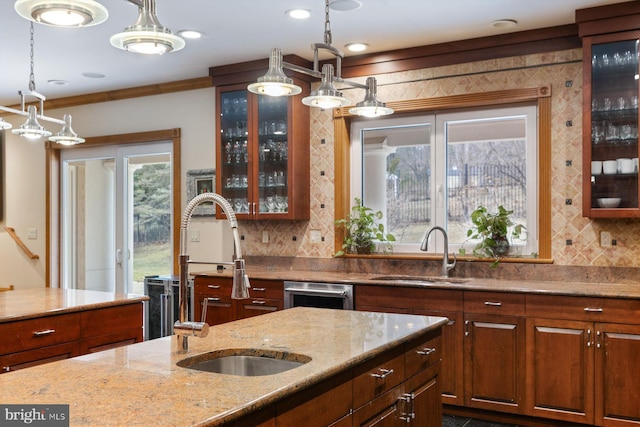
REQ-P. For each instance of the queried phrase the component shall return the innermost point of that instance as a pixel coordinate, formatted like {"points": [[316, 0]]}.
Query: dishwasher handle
{"points": [[303, 291]]}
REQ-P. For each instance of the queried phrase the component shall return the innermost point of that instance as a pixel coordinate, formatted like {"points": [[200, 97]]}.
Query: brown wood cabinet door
{"points": [[560, 369], [426, 405], [617, 381], [494, 367], [219, 310], [451, 377]]}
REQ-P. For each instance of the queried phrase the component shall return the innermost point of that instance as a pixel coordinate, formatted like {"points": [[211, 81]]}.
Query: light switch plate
{"points": [[32, 233], [265, 236]]}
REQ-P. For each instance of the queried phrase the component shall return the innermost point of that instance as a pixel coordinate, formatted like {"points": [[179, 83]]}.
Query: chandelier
{"points": [[276, 83], [32, 129]]}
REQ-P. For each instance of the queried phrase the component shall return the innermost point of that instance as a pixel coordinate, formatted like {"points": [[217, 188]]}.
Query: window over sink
{"points": [[446, 148], [436, 168]]}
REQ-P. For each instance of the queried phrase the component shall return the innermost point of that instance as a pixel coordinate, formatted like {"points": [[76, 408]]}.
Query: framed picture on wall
{"points": [[201, 181]]}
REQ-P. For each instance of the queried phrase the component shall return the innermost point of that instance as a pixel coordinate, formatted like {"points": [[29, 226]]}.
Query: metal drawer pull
{"points": [[258, 289], [588, 337], [212, 299], [426, 351], [44, 333], [593, 310], [258, 302], [384, 373], [493, 304], [213, 286], [7, 369]]}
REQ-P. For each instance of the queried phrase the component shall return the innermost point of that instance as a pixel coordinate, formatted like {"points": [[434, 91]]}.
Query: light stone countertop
{"points": [[140, 384], [579, 289], [40, 302]]}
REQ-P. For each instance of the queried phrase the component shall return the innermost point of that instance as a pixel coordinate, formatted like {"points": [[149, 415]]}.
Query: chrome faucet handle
{"points": [[450, 266], [191, 329]]}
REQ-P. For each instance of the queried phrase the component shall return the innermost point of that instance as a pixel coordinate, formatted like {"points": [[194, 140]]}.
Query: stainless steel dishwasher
{"points": [[321, 295]]}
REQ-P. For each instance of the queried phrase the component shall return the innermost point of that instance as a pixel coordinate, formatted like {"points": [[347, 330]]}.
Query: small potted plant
{"points": [[362, 230], [492, 230]]}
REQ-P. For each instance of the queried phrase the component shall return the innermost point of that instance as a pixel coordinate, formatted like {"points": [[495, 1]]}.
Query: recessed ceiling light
{"points": [[190, 34], [58, 82], [357, 47], [298, 13], [345, 5], [504, 23], [92, 75]]}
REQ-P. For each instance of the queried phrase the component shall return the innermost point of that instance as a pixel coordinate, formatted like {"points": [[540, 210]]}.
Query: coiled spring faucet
{"points": [[240, 290]]}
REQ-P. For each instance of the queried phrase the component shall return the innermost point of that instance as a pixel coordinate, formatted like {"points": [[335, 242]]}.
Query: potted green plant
{"points": [[492, 230], [362, 230]]}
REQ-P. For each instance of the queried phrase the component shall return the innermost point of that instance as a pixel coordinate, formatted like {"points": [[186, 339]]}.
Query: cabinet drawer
{"points": [[40, 332], [39, 356], [408, 298], [495, 303], [422, 353], [214, 286], [584, 308], [110, 320], [257, 306], [376, 377], [106, 342], [270, 289]]}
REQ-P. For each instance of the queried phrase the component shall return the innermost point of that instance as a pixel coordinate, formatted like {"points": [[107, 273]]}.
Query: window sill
{"points": [[459, 258]]}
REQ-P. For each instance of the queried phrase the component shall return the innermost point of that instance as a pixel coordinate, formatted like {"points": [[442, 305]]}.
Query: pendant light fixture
{"points": [[147, 35], [32, 129], [276, 83], [370, 106], [63, 13]]}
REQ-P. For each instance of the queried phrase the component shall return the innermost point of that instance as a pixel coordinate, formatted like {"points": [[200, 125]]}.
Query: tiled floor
{"points": [[456, 421]]}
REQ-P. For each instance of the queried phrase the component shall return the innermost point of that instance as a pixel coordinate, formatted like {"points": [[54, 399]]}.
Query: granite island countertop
{"points": [[40, 302], [540, 287], [140, 384]]}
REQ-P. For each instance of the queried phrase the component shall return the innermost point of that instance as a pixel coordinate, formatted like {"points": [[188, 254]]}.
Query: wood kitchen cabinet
{"points": [[266, 296], [215, 293], [610, 111], [262, 154], [582, 359], [46, 339], [400, 389], [434, 302], [483, 345], [494, 351]]}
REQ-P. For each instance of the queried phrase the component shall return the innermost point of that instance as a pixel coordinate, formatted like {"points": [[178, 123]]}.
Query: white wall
{"points": [[24, 173]]}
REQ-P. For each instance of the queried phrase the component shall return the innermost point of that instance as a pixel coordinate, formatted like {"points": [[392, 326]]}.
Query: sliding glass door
{"points": [[116, 208]]}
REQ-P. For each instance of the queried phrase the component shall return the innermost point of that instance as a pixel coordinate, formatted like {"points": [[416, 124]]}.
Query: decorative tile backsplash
{"points": [[557, 69]]}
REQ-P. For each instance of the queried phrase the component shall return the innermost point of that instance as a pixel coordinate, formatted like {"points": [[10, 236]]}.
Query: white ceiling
{"points": [[243, 30]]}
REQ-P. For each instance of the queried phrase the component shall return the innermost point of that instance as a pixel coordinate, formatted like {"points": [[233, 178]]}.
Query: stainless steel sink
{"points": [[245, 362], [422, 279]]}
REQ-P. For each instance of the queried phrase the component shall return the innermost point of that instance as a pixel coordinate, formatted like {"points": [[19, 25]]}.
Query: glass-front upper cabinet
{"points": [[611, 129], [262, 156]]}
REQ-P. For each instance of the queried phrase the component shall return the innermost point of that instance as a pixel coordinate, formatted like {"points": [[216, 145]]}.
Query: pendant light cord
{"points": [[32, 79]]}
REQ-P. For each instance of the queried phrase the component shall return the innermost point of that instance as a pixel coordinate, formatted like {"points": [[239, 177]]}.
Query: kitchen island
{"points": [[141, 384], [44, 325]]}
